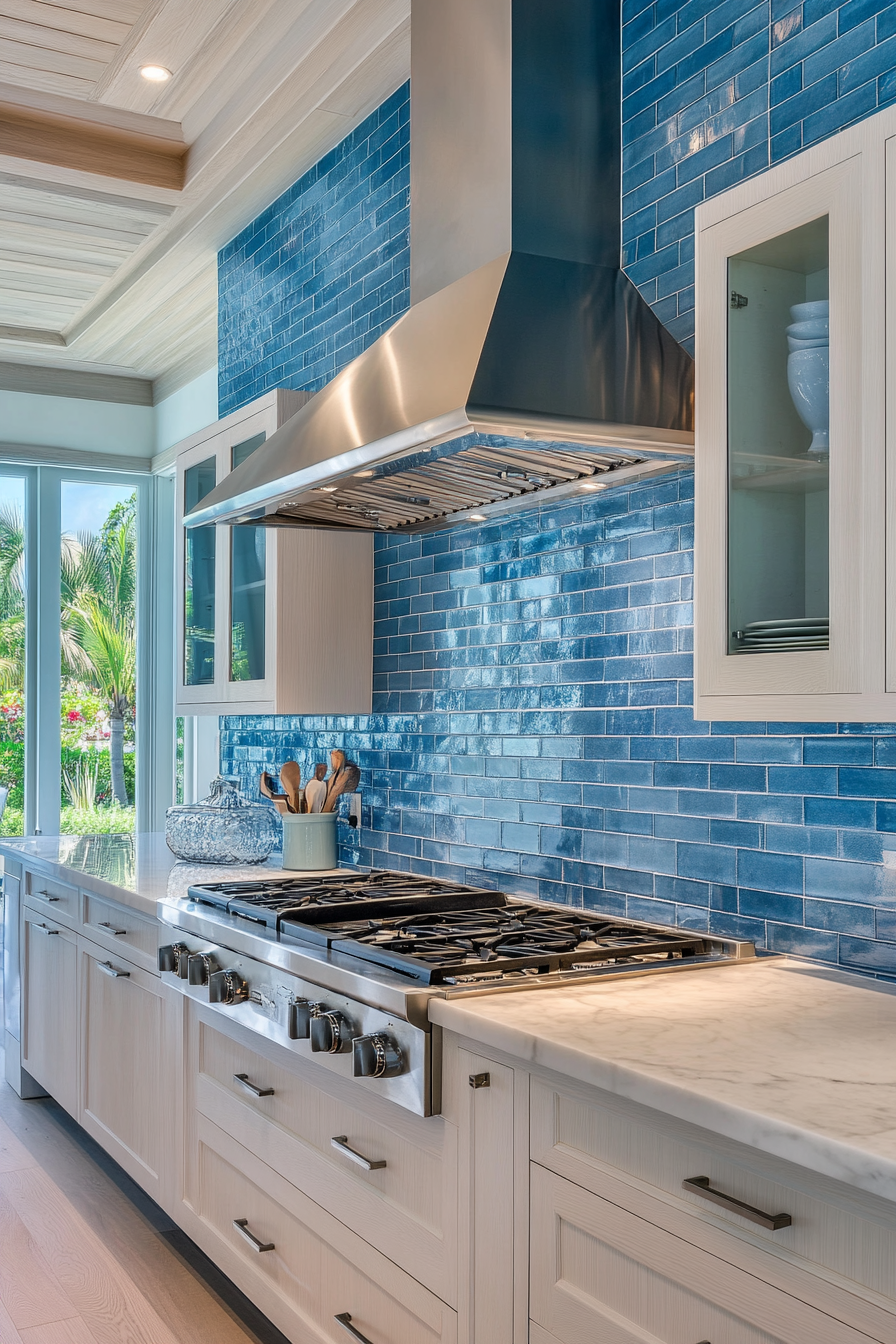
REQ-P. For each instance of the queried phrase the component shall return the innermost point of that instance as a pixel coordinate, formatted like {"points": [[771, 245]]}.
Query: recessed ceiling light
{"points": [[478, 518], [365, 473], [593, 485], [326, 489], [156, 74]]}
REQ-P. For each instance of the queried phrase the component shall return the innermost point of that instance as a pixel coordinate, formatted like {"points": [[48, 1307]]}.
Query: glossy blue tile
{"points": [[841, 917], [772, 872]]}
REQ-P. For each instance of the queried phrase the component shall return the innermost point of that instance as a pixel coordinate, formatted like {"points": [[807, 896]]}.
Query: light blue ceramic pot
{"points": [[309, 841]]}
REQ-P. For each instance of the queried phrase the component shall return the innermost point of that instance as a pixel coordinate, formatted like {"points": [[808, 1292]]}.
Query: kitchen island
{"points": [[670, 1156]]}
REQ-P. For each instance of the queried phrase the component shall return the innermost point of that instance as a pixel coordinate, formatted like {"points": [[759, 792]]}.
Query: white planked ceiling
{"points": [[123, 273]]}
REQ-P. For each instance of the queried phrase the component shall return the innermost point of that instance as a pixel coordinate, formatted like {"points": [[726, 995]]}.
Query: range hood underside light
{"points": [[418, 497]]}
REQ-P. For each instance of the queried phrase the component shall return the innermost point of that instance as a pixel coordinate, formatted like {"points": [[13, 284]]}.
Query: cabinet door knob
{"points": [[772, 1222]]}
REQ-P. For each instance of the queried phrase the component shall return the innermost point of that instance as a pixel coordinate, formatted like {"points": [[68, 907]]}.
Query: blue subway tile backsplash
{"points": [[324, 271], [716, 90], [533, 726]]}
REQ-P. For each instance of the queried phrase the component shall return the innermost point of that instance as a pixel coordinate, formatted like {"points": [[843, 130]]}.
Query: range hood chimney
{"points": [[528, 363]]}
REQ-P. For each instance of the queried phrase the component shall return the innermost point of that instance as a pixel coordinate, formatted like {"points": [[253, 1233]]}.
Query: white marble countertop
{"points": [[135, 870], [791, 1060]]}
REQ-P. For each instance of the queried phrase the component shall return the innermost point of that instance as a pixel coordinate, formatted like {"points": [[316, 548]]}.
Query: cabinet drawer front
{"points": [[404, 1206], [301, 1253], [579, 1138], [600, 1272], [122, 930], [57, 899]]}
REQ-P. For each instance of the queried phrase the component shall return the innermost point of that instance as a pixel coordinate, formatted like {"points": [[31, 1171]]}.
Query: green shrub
{"points": [[12, 773], [13, 821], [96, 820]]}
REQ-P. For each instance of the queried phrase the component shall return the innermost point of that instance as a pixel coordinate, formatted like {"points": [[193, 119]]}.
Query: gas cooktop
{"points": [[446, 934]]}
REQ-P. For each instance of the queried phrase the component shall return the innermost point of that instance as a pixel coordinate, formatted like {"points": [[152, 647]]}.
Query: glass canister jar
{"points": [[223, 828]]}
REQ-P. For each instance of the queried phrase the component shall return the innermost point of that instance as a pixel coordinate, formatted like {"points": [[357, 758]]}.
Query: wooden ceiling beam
{"points": [[74, 141]]}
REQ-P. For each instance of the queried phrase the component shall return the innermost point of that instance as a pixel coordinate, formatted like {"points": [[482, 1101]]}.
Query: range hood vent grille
{"points": [[413, 495]]}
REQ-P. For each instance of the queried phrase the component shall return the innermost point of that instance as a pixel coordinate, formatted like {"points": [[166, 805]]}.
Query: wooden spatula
{"points": [[316, 789], [346, 781], [291, 779]]}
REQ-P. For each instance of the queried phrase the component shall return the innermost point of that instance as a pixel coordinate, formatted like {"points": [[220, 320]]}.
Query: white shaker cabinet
{"points": [[791, 518], [269, 620]]}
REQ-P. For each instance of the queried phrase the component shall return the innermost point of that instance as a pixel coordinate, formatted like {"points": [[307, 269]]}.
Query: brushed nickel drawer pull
{"points": [[243, 1080], [345, 1320], [104, 924], [242, 1226], [47, 897], [43, 929], [700, 1185], [340, 1143], [108, 969]]}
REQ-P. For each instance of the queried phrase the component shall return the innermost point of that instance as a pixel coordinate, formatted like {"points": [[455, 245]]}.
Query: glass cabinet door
{"points": [[199, 581], [779, 443], [247, 588]]}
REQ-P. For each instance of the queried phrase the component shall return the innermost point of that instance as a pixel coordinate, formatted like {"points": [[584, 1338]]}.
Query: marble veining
{"points": [[796, 1062]]}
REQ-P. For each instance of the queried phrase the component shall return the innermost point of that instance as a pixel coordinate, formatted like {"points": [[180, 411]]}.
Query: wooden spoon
{"points": [[282, 804], [291, 780], [316, 789], [345, 782]]}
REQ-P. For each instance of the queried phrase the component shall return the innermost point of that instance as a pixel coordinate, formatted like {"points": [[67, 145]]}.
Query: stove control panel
{"points": [[383, 1052]]}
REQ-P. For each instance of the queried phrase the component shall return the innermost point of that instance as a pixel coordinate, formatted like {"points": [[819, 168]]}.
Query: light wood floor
{"points": [[87, 1258]]}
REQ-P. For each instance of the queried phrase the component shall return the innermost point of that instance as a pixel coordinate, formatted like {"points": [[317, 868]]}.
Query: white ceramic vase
{"points": [[808, 377]]}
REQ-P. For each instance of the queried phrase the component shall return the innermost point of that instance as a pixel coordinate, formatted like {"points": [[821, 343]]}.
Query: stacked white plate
{"points": [[804, 632]]}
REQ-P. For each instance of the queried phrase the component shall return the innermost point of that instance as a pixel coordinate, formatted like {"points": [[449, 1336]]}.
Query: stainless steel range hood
{"points": [[528, 363]]}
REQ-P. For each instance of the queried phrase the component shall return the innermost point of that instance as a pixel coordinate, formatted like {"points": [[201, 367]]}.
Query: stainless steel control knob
{"points": [[227, 987], [200, 968], [298, 1019], [376, 1056], [330, 1033], [173, 957]]}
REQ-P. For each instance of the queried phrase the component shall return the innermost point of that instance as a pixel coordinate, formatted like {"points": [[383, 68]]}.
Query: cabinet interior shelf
{"points": [[756, 471]]}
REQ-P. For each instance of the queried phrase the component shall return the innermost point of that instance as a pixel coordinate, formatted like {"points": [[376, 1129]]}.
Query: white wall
{"points": [[69, 422], [189, 408]]}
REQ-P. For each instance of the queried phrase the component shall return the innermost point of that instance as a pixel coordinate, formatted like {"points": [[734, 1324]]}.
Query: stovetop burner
{"points": [[463, 946]]}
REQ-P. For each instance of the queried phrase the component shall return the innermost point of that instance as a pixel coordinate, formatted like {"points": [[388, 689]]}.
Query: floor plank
{"points": [[8, 1333], [29, 1291], [73, 1331], [13, 1154]]}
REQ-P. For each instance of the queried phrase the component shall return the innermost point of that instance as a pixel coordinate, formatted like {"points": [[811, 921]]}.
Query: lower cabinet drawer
{"points": [[390, 1177], [122, 930], [59, 900], [599, 1272], [296, 1253], [580, 1137]]}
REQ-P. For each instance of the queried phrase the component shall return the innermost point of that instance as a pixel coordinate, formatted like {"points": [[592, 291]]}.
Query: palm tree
{"points": [[99, 578], [12, 598]]}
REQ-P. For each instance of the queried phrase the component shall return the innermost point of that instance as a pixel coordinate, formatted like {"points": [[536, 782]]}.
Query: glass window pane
{"points": [[778, 443], [12, 652], [98, 573], [199, 582], [247, 588]]}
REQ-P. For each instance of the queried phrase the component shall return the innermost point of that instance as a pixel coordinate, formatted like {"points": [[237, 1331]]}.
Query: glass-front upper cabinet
{"points": [[270, 620], [786, 413]]}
